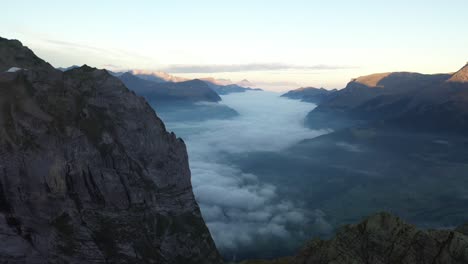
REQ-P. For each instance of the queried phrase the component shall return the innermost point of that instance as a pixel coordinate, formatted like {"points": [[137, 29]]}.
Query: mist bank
{"points": [[193, 111], [266, 183], [247, 216], [356, 172]]}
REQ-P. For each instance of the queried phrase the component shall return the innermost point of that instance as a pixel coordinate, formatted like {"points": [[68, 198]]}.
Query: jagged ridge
{"points": [[383, 239]]}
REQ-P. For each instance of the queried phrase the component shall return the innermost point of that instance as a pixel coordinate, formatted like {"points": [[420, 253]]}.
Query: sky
{"points": [[277, 45]]}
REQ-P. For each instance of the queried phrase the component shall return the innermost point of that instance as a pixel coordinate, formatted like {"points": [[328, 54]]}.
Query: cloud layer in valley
{"points": [[241, 210]]}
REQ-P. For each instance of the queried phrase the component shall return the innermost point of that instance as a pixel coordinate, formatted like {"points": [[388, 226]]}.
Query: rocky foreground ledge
{"points": [[88, 172], [383, 239]]}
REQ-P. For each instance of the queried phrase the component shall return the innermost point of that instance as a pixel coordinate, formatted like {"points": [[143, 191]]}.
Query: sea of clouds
{"points": [[240, 210]]}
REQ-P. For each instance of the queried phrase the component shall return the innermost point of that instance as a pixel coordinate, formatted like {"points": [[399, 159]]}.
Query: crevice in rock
{"points": [[122, 181], [5, 206], [127, 193], [92, 188], [443, 245], [97, 192], [71, 189]]}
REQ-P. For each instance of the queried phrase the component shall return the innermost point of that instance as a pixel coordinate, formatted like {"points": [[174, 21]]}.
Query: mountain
{"points": [[223, 87], [245, 83], [14, 55], [460, 76], [191, 100], [68, 68], [310, 94], [224, 82], [383, 238], [213, 81], [232, 88], [368, 87], [157, 76], [166, 92], [89, 173], [220, 86], [415, 101]]}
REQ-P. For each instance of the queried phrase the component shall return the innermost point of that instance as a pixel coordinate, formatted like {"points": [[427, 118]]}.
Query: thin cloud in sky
{"points": [[74, 45], [217, 68], [109, 51], [203, 68], [113, 67]]}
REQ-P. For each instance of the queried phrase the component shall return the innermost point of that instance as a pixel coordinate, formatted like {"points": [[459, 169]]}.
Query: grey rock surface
{"points": [[88, 172]]}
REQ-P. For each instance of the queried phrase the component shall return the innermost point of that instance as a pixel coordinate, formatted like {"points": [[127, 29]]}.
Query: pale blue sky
{"points": [[292, 43]]}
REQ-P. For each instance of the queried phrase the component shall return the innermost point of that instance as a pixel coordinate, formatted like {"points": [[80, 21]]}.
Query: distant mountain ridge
{"points": [[68, 68], [158, 76], [431, 102], [192, 100], [160, 92], [310, 94], [229, 88], [220, 86], [368, 87]]}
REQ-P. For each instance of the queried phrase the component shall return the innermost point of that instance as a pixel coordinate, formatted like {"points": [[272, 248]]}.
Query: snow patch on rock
{"points": [[14, 69]]}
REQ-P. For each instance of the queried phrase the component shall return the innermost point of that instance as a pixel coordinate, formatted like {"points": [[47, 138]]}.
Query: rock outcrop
{"points": [[88, 172], [383, 239]]}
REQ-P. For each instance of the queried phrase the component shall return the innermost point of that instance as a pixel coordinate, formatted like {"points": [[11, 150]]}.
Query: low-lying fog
{"points": [[264, 188], [246, 216]]}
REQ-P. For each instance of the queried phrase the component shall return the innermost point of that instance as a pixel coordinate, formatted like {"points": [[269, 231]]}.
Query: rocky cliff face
{"points": [[382, 239], [88, 172]]}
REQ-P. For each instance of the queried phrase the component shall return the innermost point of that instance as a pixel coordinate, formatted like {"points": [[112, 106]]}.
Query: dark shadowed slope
{"points": [[383, 239], [88, 172], [166, 92]]}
